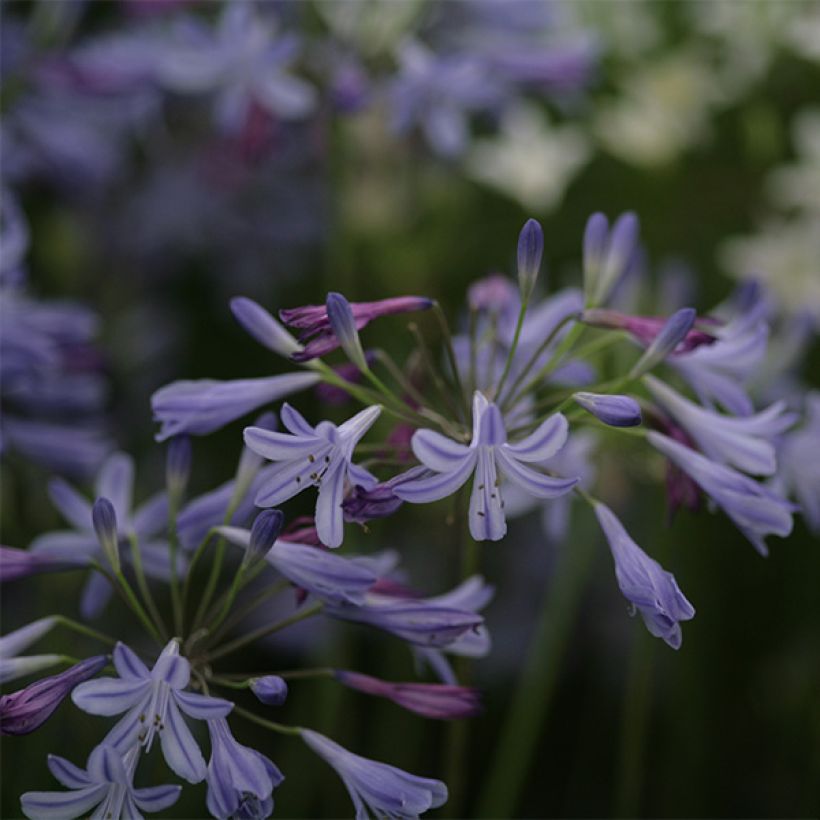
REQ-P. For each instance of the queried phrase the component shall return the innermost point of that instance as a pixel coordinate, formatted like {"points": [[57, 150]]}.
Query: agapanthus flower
{"points": [[154, 701], [240, 780], [607, 254], [743, 442], [431, 700], [313, 456], [756, 511], [263, 327], [645, 583], [272, 690], [24, 711], [106, 782], [378, 788], [14, 665], [379, 500], [488, 454], [16, 563], [315, 330], [202, 406], [614, 410], [114, 482]]}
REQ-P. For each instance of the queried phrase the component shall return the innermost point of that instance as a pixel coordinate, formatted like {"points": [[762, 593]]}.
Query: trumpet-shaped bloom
{"points": [[106, 782], [316, 331], [328, 576], [115, 481], [309, 456], [24, 711], [154, 701], [202, 406], [378, 788], [756, 510], [644, 582], [240, 780], [488, 454], [16, 563], [744, 442], [12, 664], [432, 700]]}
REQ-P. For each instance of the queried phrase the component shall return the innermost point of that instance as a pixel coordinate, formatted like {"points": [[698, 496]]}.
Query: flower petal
{"points": [[109, 696], [531, 481], [69, 775], [152, 799], [543, 443], [116, 483], [281, 446], [436, 451], [295, 422], [202, 707], [354, 428], [73, 506], [487, 522], [329, 516], [179, 747], [425, 490], [60, 805]]}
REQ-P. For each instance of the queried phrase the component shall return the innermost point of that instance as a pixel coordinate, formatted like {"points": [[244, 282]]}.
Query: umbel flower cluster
{"points": [[508, 414]]}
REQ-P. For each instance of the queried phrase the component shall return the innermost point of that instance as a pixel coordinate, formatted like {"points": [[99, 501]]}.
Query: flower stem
{"points": [[513, 347], [176, 599], [536, 685], [268, 724], [82, 629], [142, 584], [257, 601], [451, 356]]}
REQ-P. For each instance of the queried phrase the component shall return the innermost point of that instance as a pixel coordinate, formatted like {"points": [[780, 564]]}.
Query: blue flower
{"points": [[105, 782], [202, 406], [743, 442], [313, 456], [617, 411], [240, 780], [488, 454], [607, 254], [271, 690], [755, 510], [12, 664], [645, 583], [153, 701], [378, 788], [26, 710]]}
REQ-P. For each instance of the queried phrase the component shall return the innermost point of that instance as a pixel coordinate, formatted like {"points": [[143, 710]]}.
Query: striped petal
{"points": [[329, 517], [543, 443], [156, 798], [109, 696], [425, 490], [179, 747], [281, 446], [531, 481], [202, 707], [295, 422], [438, 452], [66, 773], [116, 483], [60, 805], [487, 522], [354, 428]]}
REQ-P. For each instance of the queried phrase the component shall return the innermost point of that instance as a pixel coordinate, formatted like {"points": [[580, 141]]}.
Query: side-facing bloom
{"points": [[26, 710], [756, 510], [343, 324], [263, 327], [309, 456], [240, 780], [617, 411], [743, 442], [106, 782], [16, 563], [378, 788], [154, 701], [12, 664], [488, 454], [432, 700], [202, 406], [315, 330], [643, 581]]}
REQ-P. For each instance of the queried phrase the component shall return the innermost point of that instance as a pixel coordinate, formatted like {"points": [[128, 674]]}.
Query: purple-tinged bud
{"points": [[177, 467], [669, 337], [270, 689], [265, 530], [343, 324], [607, 254], [263, 327], [26, 710], [614, 410], [105, 525], [530, 251], [595, 236], [431, 700]]}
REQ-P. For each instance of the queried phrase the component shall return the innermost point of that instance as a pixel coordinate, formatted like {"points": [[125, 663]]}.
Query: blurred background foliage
{"points": [[729, 726]]}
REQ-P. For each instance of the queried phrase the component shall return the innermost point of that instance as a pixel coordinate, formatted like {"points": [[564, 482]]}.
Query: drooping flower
{"points": [[115, 482], [240, 780], [106, 782], [644, 582], [378, 788], [313, 456], [743, 442], [154, 701], [756, 510], [315, 329], [12, 664], [27, 709], [432, 700], [202, 406], [488, 454], [617, 411]]}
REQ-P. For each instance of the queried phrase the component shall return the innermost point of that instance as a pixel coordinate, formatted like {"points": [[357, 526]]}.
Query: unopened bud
{"points": [[343, 323], [673, 332], [614, 410], [105, 525], [265, 530], [530, 251], [270, 689]]}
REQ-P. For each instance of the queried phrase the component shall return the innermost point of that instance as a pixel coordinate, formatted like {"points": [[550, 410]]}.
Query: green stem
{"points": [[82, 629], [255, 602], [513, 347], [137, 608], [176, 599], [268, 724], [263, 632], [536, 685], [451, 356], [142, 585]]}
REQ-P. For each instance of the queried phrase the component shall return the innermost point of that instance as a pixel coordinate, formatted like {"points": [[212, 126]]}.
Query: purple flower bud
{"points": [[380, 501], [27, 709], [105, 525], [607, 254], [530, 250], [667, 340], [432, 700], [271, 689], [343, 324], [617, 411], [265, 530], [263, 327], [177, 466], [595, 236]]}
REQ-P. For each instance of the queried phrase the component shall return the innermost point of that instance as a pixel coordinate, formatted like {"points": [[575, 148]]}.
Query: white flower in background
{"points": [[797, 185], [530, 160], [626, 29], [803, 32], [665, 108]]}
